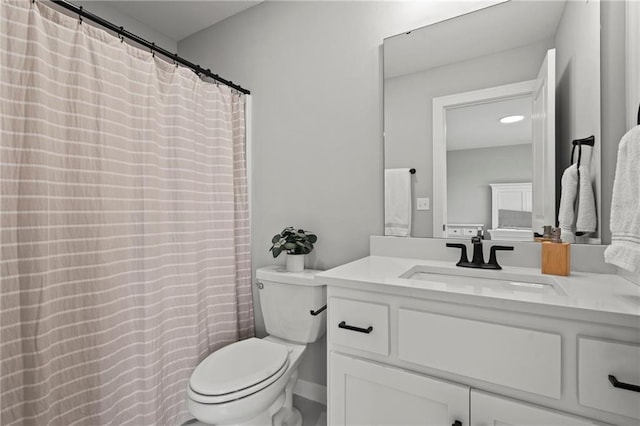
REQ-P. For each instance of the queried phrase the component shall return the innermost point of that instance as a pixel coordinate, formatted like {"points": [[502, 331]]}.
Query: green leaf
{"points": [[293, 240], [287, 231]]}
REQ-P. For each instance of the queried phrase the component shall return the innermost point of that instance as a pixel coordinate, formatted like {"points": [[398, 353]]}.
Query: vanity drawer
{"points": [[519, 358], [597, 360], [359, 325]]}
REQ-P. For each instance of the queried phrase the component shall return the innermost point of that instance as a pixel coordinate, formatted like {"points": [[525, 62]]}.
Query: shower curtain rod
{"points": [[79, 10]]}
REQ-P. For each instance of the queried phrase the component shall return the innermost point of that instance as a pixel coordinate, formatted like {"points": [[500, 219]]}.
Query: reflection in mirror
{"points": [[486, 156], [498, 112], [498, 46]]}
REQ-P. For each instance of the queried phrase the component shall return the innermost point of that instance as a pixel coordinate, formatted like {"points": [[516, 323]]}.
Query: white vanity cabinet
{"points": [[405, 359], [618, 362], [489, 409], [374, 394]]}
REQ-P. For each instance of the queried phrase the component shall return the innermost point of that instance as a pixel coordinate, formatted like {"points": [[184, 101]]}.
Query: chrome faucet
{"points": [[477, 261]]}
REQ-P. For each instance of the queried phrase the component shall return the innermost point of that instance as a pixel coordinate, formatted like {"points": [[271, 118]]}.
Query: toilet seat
{"points": [[238, 370]]}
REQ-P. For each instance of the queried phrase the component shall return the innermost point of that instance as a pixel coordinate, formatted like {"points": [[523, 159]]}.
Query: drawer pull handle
{"points": [[622, 385], [358, 329], [314, 313], [457, 423]]}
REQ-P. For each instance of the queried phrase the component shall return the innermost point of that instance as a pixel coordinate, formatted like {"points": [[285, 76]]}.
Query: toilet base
{"points": [[280, 413], [284, 417], [288, 417]]}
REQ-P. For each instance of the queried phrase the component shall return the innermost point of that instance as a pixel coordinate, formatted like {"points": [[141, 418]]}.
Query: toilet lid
{"points": [[238, 366]]}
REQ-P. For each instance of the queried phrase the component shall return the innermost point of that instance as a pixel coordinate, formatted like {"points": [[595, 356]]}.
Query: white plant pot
{"points": [[295, 262]]}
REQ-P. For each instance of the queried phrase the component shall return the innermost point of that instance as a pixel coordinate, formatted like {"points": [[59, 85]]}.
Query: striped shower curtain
{"points": [[124, 225]]}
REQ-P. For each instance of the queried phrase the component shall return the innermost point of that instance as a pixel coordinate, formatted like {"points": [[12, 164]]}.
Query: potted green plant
{"points": [[296, 243]]}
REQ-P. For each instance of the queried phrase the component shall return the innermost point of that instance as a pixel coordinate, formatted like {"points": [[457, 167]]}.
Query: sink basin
{"points": [[484, 281]]}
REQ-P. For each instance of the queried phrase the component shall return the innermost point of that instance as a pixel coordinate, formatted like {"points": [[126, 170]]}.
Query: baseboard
{"points": [[312, 391]]}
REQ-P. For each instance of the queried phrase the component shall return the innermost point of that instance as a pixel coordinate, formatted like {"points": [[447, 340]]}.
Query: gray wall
{"points": [[613, 113], [314, 69], [577, 91], [315, 73], [408, 110], [469, 173]]}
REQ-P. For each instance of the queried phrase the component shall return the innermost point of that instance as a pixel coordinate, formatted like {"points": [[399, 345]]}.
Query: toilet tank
{"points": [[287, 298]]}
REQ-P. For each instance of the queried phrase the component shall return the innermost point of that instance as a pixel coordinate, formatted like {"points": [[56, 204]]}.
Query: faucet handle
{"points": [[463, 252], [493, 261]]}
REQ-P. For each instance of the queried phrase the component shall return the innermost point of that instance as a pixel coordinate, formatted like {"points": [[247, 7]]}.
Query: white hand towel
{"points": [[568, 194], [624, 250], [397, 202], [587, 220], [576, 195]]}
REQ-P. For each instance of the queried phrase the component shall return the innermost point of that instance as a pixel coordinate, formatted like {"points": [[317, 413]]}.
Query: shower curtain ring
{"points": [[175, 59], [153, 50], [120, 36], [80, 16]]}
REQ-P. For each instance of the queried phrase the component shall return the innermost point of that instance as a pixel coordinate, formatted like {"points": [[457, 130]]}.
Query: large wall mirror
{"points": [[447, 86]]}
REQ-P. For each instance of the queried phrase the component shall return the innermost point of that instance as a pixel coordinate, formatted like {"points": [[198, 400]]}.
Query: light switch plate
{"points": [[422, 203]]}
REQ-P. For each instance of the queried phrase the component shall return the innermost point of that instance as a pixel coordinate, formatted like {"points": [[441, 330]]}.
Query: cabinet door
{"points": [[597, 361], [493, 410], [367, 393]]}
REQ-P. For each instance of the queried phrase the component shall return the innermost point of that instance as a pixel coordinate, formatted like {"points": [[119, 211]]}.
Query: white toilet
{"points": [[251, 382]]}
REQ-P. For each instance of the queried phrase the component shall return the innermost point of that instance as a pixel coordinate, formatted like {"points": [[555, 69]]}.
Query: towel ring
{"points": [[589, 141]]}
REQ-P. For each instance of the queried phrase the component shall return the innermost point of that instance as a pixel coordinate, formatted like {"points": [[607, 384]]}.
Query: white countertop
{"points": [[603, 298]]}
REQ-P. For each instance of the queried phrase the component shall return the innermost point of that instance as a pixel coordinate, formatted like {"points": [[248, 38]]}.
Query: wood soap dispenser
{"points": [[556, 256]]}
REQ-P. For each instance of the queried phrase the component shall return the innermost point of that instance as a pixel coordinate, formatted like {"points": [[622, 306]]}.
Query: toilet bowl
{"points": [[246, 396], [251, 382]]}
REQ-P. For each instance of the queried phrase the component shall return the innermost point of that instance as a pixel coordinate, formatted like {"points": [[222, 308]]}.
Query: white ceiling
{"points": [[178, 19], [478, 125]]}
